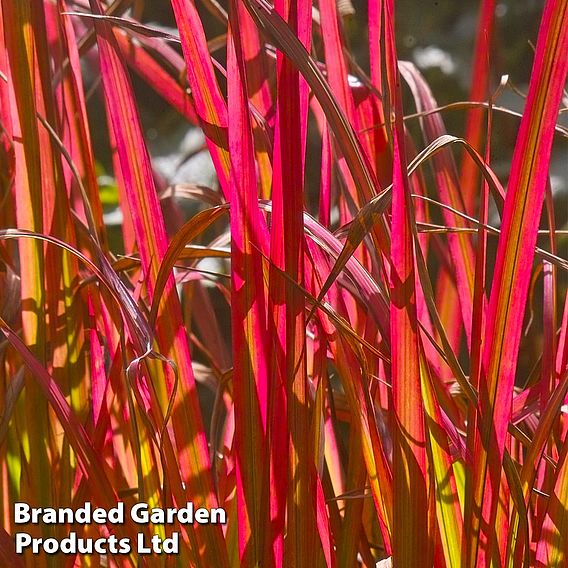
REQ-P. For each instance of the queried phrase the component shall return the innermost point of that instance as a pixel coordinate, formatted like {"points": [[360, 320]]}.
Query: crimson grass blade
{"points": [[515, 253]]}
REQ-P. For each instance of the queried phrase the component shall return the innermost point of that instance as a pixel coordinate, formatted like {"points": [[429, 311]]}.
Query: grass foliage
{"points": [[328, 343]]}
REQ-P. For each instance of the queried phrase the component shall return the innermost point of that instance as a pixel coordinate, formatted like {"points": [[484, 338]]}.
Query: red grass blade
{"points": [[248, 311], [7, 554], [136, 175], [287, 252], [410, 486], [285, 41], [209, 103], [447, 182], [552, 548], [90, 462], [157, 77], [33, 179], [515, 254], [480, 76]]}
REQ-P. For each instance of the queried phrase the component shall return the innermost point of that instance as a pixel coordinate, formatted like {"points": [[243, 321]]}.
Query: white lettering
{"points": [[23, 540], [185, 514], [99, 517], [100, 545], [139, 513], [171, 545], [83, 514], [50, 545], [142, 548], [49, 516], [202, 516], [116, 514], [218, 516], [21, 513]]}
